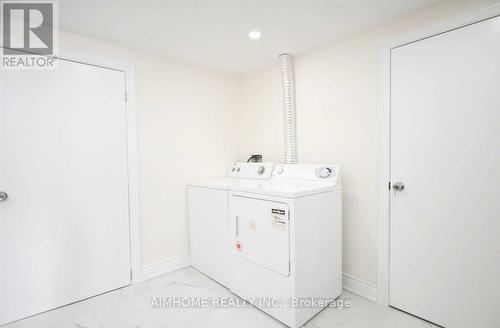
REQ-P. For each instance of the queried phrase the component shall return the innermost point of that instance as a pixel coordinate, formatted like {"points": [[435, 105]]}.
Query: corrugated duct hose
{"points": [[288, 85]]}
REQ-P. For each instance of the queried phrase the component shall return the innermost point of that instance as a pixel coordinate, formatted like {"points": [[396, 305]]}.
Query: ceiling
{"points": [[214, 33]]}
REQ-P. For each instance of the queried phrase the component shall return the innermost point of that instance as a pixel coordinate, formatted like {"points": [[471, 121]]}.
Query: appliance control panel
{"points": [[328, 173], [250, 170]]}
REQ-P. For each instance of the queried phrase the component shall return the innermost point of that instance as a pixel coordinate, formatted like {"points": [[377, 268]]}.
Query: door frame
{"points": [[132, 155], [478, 14]]}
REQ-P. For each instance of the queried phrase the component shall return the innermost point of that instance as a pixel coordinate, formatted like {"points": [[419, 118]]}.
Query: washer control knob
{"points": [[238, 169], [324, 172], [261, 170], [233, 169]]}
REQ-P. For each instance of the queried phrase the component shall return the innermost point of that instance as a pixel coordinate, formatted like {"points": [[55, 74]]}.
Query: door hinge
{"points": [[130, 275], [389, 186], [126, 98]]}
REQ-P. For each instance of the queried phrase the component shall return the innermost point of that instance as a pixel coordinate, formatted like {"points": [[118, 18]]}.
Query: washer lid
{"points": [[237, 171], [214, 183]]}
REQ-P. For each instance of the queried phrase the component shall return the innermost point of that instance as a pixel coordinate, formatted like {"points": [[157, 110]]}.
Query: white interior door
{"points": [[445, 223], [64, 228]]}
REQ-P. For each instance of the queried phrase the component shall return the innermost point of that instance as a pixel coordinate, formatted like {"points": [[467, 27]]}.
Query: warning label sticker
{"points": [[280, 219]]}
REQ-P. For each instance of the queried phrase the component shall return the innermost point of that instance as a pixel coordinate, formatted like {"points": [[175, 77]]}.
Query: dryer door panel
{"points": [[262, 233]]}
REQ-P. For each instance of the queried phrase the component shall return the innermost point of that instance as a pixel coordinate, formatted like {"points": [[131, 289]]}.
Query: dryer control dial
{"points": [[324, 172]]}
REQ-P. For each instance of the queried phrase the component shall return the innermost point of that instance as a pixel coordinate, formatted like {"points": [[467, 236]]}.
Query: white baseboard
{"points": [[359, 287], [160, 268]]}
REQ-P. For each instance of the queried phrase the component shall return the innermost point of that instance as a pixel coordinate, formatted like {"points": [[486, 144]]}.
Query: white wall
{"points": [[184, 128], [337, 122], [193, 121], [185, 132]]}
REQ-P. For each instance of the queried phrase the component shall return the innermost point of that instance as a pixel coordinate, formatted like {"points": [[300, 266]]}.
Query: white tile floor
{"points": [[131, 307]]}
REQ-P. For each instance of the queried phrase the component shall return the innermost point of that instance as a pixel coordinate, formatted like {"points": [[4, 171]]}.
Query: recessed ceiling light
{"points": [[254, 35]]}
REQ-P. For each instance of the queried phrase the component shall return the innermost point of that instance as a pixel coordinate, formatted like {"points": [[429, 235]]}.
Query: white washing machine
{"points": [[209, 220], [271, 235], [286, 237]]}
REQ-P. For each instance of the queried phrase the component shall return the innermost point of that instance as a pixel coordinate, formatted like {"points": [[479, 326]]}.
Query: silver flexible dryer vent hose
{"points": [[288, 85]]}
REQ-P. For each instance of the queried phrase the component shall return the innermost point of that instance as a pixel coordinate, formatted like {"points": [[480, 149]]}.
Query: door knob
{"points": [[398, 186], [3, 196]]}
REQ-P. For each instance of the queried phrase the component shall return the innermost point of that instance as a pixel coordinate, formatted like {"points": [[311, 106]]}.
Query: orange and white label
{"points": [[237, 246]]}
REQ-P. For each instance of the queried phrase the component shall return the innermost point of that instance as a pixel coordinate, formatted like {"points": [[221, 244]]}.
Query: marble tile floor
{"points": [[130, 307]]}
